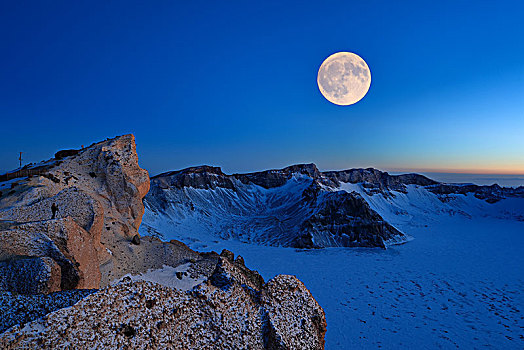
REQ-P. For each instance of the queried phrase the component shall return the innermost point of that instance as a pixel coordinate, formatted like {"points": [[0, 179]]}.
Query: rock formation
{"points": [[297, 206], [232, 309], [98, 192], [59, 269]]}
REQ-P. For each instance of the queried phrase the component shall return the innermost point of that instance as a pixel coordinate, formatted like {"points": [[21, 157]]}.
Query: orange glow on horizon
{"points": [[498, 171]]}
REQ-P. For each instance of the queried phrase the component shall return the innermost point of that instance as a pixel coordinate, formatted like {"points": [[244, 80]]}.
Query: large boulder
{"points": [[232, 309], [63, 241], [77, 247], [30, 275], [292, 312], [98, 191]]}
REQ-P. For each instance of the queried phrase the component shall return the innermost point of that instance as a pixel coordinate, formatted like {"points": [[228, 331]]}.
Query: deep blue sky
{"points": [[234, 83]]}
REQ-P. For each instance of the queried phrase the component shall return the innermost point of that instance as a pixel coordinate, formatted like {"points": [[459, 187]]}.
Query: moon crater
{"points": [[344, 78]]}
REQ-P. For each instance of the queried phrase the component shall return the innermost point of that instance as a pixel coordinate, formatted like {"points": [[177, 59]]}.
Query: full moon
{"points": [[344, 78]]}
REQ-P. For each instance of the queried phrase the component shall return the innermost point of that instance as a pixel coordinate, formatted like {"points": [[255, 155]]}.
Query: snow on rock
{"points": [[98, 193], [172, 277], [299, 206], [292, 207], [284, 293], [30, 275], [282, 314], [19, 309], [63, 241], [172, 296]]}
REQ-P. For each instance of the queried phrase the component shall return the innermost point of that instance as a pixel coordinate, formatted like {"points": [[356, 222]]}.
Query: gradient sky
{"points": [[233, 84]]}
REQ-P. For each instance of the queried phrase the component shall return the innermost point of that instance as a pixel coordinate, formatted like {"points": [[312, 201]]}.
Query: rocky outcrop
{"points": [[61, 240], [286, 300], [232, 309], [73, 222], [30, 275], [346, 217], [97, 196]]}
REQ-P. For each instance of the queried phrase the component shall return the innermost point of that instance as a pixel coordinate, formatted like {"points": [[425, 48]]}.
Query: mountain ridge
{"points": [[297, 206]]}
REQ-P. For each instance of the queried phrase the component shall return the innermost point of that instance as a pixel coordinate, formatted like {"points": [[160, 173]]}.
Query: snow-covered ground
{"points": [[172, 277], [459, 283], [250, 213]]}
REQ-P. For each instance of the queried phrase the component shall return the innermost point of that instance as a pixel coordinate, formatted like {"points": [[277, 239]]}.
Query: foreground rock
{"points": [[232, 309], [61, 241], [92, 237], [72, 222], [80, 209], [19, 309]]}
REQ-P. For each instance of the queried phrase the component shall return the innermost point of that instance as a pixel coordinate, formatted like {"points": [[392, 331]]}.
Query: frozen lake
{"points": [[458, 284]]}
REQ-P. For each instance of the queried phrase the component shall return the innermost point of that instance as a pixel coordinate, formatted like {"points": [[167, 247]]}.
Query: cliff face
{"points": [[297, 206], [97, 193], [72, 222]]}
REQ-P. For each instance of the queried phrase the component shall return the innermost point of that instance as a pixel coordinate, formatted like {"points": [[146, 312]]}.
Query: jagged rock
{"points": [[227, 271], [240, 261], [227, 254], [292, 207], [108, 205], [281, 314], [348, 217], [30, 275]]}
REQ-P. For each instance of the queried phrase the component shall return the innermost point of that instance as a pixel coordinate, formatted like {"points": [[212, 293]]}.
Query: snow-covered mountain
{"points": [[299, 206]]}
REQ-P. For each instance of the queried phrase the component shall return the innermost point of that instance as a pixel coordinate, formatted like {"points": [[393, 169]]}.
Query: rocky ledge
{"points": [[233, 308], [74, 270]]}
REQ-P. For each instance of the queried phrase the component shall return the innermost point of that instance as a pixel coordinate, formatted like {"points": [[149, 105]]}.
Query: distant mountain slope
{"points": [[299, 206]]}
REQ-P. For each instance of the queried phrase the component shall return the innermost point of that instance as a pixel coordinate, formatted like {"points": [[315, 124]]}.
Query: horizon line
{"points": [[460, 171]]}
